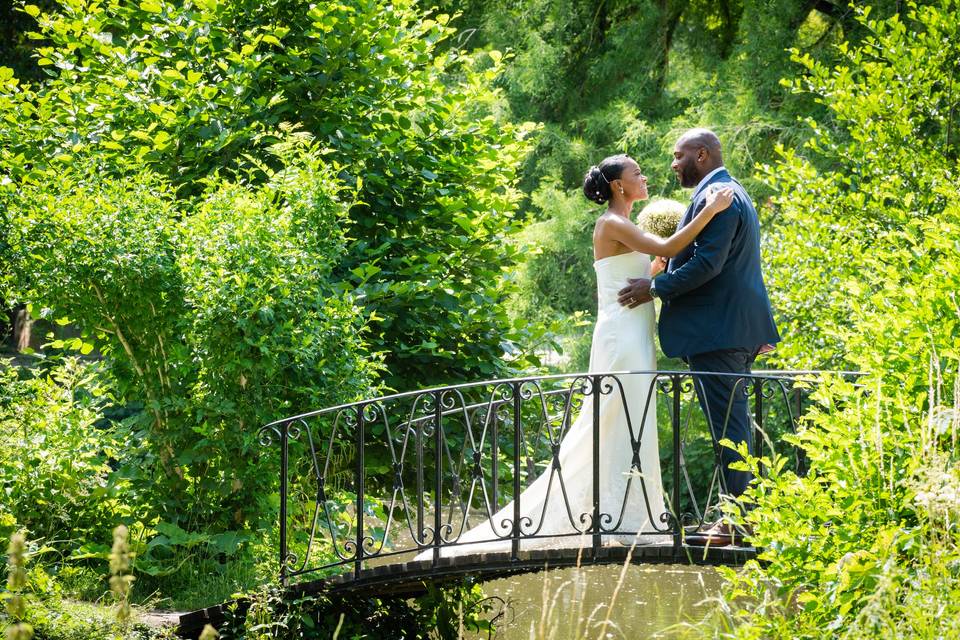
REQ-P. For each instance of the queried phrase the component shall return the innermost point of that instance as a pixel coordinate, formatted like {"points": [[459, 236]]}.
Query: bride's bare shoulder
{"points": [[605, 236], [600, 223], [608, 220]]}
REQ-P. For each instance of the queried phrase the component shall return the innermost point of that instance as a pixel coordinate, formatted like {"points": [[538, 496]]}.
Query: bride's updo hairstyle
{"points": [[596, 184]]}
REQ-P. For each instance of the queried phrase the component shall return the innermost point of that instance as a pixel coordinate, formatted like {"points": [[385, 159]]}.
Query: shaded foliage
{"points": [[443, 612], [628, 75], [631, 75]]}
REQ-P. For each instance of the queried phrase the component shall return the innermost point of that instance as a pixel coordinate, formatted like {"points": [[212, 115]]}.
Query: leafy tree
{"points": [[594, 71], [556, 281], [191, 90], [869, 204], [216, 318], [628, 76]]}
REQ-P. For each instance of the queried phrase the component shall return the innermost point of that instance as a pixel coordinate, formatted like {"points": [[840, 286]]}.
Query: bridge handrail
{"points": [[765, 374], [424, 432]]}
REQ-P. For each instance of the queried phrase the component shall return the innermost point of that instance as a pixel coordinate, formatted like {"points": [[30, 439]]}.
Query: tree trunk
{"points": [[731, 23], [21, 330], [670, 13]]}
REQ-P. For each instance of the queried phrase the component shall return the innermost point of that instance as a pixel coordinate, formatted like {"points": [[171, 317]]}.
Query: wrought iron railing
{"points": [[384, 479]]}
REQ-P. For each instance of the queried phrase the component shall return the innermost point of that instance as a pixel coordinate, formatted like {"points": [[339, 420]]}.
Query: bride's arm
{"points": [[630, 235]]}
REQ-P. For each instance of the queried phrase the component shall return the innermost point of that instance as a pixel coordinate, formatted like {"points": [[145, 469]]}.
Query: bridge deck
{"points": [[410, 579]]}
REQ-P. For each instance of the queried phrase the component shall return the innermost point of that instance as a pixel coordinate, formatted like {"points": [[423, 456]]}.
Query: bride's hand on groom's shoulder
{"points": [[719, 199]]}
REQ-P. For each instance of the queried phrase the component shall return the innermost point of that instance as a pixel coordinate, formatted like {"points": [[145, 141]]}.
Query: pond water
{"points": [[649, 601]]}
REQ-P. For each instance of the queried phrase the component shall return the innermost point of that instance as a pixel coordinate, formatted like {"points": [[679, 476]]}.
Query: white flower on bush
{"points": [[944, 419], [938, 490]]}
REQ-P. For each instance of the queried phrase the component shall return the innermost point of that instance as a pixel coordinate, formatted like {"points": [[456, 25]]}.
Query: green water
{"points": [[652, 601]]}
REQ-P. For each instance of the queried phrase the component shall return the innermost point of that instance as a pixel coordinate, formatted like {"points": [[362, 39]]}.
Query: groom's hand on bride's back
{"points": [[636, 293]]}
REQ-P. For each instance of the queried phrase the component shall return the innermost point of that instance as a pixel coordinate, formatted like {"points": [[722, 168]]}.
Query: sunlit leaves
{"points": [[860, 268], [864, 276], [216, 317], [199, 89]]}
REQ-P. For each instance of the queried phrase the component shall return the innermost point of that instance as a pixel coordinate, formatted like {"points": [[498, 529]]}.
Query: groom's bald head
{"points": [[703, 139], [696, 154]]}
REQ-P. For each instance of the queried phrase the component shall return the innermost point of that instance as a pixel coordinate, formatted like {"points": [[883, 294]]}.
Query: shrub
{"points": [[56, 454], [867, 542], [215, 321], [864, 276], [198, 90], [868, 207]]}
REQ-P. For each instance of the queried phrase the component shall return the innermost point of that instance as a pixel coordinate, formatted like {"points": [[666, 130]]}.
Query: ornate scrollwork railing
{"points": [[384, 479]]}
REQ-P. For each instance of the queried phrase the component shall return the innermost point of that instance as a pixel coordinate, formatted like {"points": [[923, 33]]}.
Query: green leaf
{"points": [[91, 550]]}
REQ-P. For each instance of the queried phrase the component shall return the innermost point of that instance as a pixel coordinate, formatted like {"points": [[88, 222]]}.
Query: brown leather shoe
{"points": [[719, 534]]}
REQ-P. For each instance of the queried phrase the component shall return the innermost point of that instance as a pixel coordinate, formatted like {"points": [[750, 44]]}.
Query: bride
{"points": [[557, 507]]}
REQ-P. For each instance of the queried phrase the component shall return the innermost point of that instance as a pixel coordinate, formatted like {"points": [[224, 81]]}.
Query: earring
{"points": [[621, 189]]}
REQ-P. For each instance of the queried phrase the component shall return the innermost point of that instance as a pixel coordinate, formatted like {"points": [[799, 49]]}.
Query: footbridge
{"points": [[375, 496]]}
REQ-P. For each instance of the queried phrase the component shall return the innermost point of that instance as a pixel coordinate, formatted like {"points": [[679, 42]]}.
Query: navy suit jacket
{"points": [[712, 291]]}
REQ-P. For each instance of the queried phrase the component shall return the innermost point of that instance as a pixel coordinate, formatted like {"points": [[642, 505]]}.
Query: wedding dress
{"points": [[622, 341]]}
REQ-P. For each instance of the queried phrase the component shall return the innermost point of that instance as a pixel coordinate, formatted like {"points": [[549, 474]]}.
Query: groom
{"points": [[716, 314]]}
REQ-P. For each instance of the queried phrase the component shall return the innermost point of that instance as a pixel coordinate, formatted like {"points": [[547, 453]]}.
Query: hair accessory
{"points": [[601, 174]]}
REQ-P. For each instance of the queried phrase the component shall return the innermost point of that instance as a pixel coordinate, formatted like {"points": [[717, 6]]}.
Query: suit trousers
{"points": [[723, 399]]}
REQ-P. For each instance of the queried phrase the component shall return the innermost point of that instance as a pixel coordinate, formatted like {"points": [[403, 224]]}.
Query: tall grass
{"points": [[868, 544]]}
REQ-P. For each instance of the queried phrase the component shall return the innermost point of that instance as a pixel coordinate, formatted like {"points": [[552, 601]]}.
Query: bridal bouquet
{"points": [[661, 217]]}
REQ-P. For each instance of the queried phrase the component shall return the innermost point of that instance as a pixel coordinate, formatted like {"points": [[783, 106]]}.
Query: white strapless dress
{"points": [[622, 341]]}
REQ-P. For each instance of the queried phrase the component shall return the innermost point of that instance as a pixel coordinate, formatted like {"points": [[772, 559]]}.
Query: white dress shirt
{"points": [[705, 180]]}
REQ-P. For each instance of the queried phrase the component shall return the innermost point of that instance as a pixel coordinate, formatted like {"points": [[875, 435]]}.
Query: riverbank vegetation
{"points": [[244, 209], [867, 545]]}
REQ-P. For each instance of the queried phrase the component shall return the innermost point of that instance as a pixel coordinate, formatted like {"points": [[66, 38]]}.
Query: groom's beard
{"points": [[687, 178]]}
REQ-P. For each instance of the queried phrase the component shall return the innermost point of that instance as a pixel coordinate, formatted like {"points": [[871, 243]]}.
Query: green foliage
{"points": [[556, 285], [866, 545], [269, 328], [61, 619], [868, 209], [218, 319], [100, 252], [198, 89], [445, 613], [48, 612], [55, 456], [156, 195], [864, 276], [559, 256], [63, 470], [630, 76]]}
